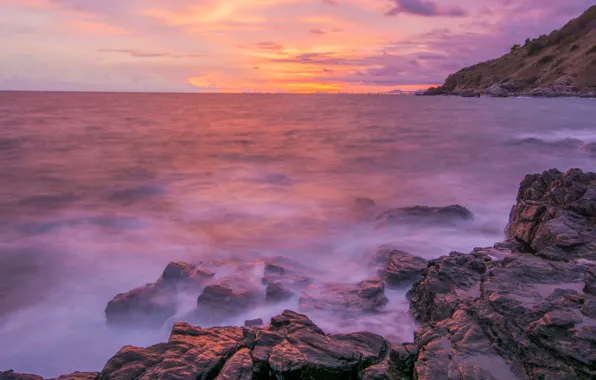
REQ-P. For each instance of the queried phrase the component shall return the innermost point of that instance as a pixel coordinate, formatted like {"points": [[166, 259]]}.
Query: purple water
{"points": [[100, 191]]}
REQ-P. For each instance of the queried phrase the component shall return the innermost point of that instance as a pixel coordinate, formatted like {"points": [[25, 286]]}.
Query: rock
{"points": [[425, 214], [469, 94], [148, 306], [347, 299], [434, 91], [554, 215], [291, 347], [397, 268], [254, 322], [190, 353], [12, 375], [80, 376], [277, 293], [307, 353], [177, 272], [238, 367], [228, 297], [151, 305], [497, 90], [590, 281], [519, 317]]}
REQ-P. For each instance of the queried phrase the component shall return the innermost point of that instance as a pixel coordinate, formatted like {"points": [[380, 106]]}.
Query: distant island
{"points": [[562, 63]]}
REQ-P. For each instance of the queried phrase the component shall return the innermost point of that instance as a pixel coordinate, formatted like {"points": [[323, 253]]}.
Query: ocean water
{"points": [[98, 192]]}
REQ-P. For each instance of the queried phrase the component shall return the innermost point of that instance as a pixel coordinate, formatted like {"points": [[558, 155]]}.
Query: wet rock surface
{"points": [[524, 309], [291, 347], [397, 268], [555, 215]]}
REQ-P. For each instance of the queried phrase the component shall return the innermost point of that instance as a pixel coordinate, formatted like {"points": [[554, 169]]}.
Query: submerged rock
{"points": [[424, 214], [364, 297]]}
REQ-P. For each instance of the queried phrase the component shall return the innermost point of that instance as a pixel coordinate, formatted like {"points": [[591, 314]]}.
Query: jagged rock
{"points": [[425, 214], [277, 293], [555, 214], [190, 353], [291, 347], [397, 268], [308, 353], [519, 317], [153, 304], [366, 296], [11, 375], [238, 367], [254, 322]]}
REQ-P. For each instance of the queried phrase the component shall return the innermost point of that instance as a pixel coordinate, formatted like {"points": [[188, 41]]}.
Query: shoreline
{"points": [[468, 306]]}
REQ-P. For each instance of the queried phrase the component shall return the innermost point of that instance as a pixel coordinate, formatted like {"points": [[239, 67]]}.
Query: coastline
{"points": [[524, 308]]}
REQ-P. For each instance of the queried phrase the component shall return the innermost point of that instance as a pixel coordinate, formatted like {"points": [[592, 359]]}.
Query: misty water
{"points": [[100, 191]]}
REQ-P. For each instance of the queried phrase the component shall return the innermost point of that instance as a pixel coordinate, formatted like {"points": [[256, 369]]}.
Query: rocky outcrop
{"points": [[291, 347], [562, 63], [524, 309], [424, 214], [555, 215]]}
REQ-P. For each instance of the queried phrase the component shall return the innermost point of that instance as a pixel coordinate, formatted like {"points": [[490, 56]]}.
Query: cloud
{"points": [[142, 54], [424, 8], [318, 32], [330, 2], [269, 45]]}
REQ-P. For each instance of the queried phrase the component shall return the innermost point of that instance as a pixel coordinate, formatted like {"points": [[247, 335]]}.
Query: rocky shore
{"points": [[561, 64], [523, 309]]}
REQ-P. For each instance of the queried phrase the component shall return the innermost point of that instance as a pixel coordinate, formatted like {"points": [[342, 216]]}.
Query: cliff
{"points": [[562, 63]]}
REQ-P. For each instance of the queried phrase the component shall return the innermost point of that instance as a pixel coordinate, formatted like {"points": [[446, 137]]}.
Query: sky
{"points": [[298, 46]]}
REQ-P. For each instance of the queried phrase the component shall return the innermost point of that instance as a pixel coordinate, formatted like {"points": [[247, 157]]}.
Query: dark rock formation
{"points": [[555, 214], [347, 299], [554, 65], [228, 297], [397, 268], [153, 304], [424, 214], [516, 318], [291, 347]]}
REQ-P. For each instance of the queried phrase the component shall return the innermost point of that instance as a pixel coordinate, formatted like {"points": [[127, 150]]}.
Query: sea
{"points": [[99, 191]]}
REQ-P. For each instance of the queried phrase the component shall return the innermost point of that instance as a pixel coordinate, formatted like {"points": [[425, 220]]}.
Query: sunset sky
{"points": [[260, 45]]}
